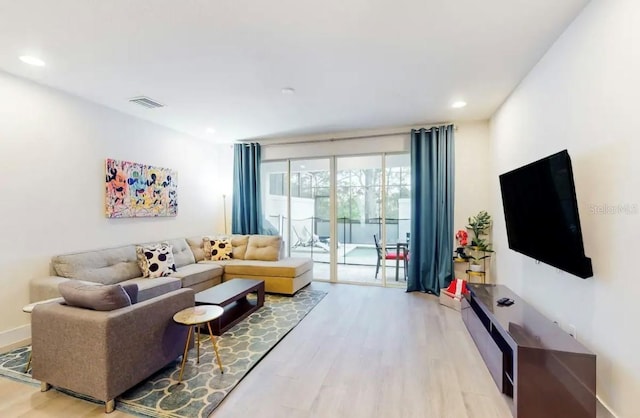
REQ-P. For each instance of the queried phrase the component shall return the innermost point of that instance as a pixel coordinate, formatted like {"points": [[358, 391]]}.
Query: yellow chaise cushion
{"points": [[288, 267]]}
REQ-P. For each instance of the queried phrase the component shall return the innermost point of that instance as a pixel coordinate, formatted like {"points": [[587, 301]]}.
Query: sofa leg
{"points": [[109, 406], [44, 386]]}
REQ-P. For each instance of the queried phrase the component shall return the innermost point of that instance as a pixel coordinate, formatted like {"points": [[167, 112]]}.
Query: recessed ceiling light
{"points": [[28, 59], [211, 131], [459, 104], [288, 90]]}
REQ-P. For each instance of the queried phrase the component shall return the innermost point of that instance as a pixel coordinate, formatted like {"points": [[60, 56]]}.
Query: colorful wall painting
{"points": [[136, 190]]}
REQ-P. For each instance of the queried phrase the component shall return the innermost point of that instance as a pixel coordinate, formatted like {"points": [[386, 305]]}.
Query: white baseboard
{"points": [[15, 337]]}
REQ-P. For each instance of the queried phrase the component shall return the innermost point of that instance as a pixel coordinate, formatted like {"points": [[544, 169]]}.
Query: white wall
{"points": [[472, 185], [472, 172], [52, 152], [582, 96]]}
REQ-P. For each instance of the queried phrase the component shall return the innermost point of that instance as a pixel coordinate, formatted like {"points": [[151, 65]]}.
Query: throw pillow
{"points": [[221, 249], [156, 260], [239, 245], [99, 297], [197, 247], [206, 247], [263, 247]]}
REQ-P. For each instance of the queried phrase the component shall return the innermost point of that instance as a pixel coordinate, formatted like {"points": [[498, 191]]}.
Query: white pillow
{"points": [[156, 260]]}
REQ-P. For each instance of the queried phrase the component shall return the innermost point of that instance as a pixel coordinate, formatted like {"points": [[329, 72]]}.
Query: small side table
{"points": [[196, 316]]}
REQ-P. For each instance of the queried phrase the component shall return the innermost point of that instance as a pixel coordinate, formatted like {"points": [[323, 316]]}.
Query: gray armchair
{"points": [[102, 354]]}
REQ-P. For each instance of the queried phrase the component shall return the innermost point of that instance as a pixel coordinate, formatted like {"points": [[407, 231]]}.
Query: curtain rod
{"points": [[266, 142]]}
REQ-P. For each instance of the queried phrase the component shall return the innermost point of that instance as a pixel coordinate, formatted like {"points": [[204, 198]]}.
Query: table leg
{"points": [[186, 350], [405, 258], [260, 292], [26, 369], [406, 268], [397, 259], [198, 348], [215, 348]]}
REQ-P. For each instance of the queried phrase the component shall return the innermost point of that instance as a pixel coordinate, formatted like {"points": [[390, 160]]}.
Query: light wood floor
{"points": [[364, 351], [371, 352]]}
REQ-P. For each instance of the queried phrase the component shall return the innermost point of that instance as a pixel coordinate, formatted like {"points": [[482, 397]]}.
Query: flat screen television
{"points": [[541, 214]]}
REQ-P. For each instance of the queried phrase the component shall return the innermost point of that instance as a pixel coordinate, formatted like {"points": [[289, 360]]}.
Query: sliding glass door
{"points": [[275, 197], [397, 215], [358, 204], [310, 213], [363, 237]]}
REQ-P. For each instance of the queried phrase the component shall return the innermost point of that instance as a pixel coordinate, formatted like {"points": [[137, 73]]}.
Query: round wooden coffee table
{"points": [[194, 317]]}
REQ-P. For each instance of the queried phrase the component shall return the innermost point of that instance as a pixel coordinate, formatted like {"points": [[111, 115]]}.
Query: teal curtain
{"points": [[432, 171], [246, 210]]}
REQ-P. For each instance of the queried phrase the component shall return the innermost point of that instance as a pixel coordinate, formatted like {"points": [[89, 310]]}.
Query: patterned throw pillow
{"points": [[218, 249], [156, 260]]}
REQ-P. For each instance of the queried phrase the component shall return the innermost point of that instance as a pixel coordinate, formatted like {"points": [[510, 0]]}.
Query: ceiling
{"points": [[357, 64]]}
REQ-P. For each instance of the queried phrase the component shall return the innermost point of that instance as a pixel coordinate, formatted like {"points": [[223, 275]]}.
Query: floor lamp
{"points": [[224, 210]]}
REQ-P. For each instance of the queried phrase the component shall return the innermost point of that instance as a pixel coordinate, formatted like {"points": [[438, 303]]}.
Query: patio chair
{"points": [[384, 253], [304, 238]]}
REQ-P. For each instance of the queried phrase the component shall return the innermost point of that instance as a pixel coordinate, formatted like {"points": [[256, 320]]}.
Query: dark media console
{"points": [[542, 370]]}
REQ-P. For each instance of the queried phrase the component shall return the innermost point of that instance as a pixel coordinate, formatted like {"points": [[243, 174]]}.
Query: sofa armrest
{"points": [[43, 288], [102, 354]]}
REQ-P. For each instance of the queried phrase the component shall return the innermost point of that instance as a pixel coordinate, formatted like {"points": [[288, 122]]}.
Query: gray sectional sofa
{"points": [[119, 265], [104, 353]]}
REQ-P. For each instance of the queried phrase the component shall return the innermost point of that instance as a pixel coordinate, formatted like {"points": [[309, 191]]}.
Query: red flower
{"points": [[461, 237]]}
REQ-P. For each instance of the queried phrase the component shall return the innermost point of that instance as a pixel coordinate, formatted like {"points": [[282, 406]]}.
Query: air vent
{"points": [[146, 102]]}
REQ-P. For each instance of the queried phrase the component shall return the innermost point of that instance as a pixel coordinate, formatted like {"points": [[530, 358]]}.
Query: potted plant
{"points": [[479, 247], [479, 225]]}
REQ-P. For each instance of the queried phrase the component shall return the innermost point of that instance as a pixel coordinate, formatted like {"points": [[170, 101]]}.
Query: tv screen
{"points": [[541, 214]]}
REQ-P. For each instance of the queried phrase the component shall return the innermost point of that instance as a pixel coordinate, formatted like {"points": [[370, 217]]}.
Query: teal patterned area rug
{"points": [[203, 387]]}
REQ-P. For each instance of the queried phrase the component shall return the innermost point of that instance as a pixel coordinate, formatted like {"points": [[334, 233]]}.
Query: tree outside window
{"points": [[357, 191]]}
